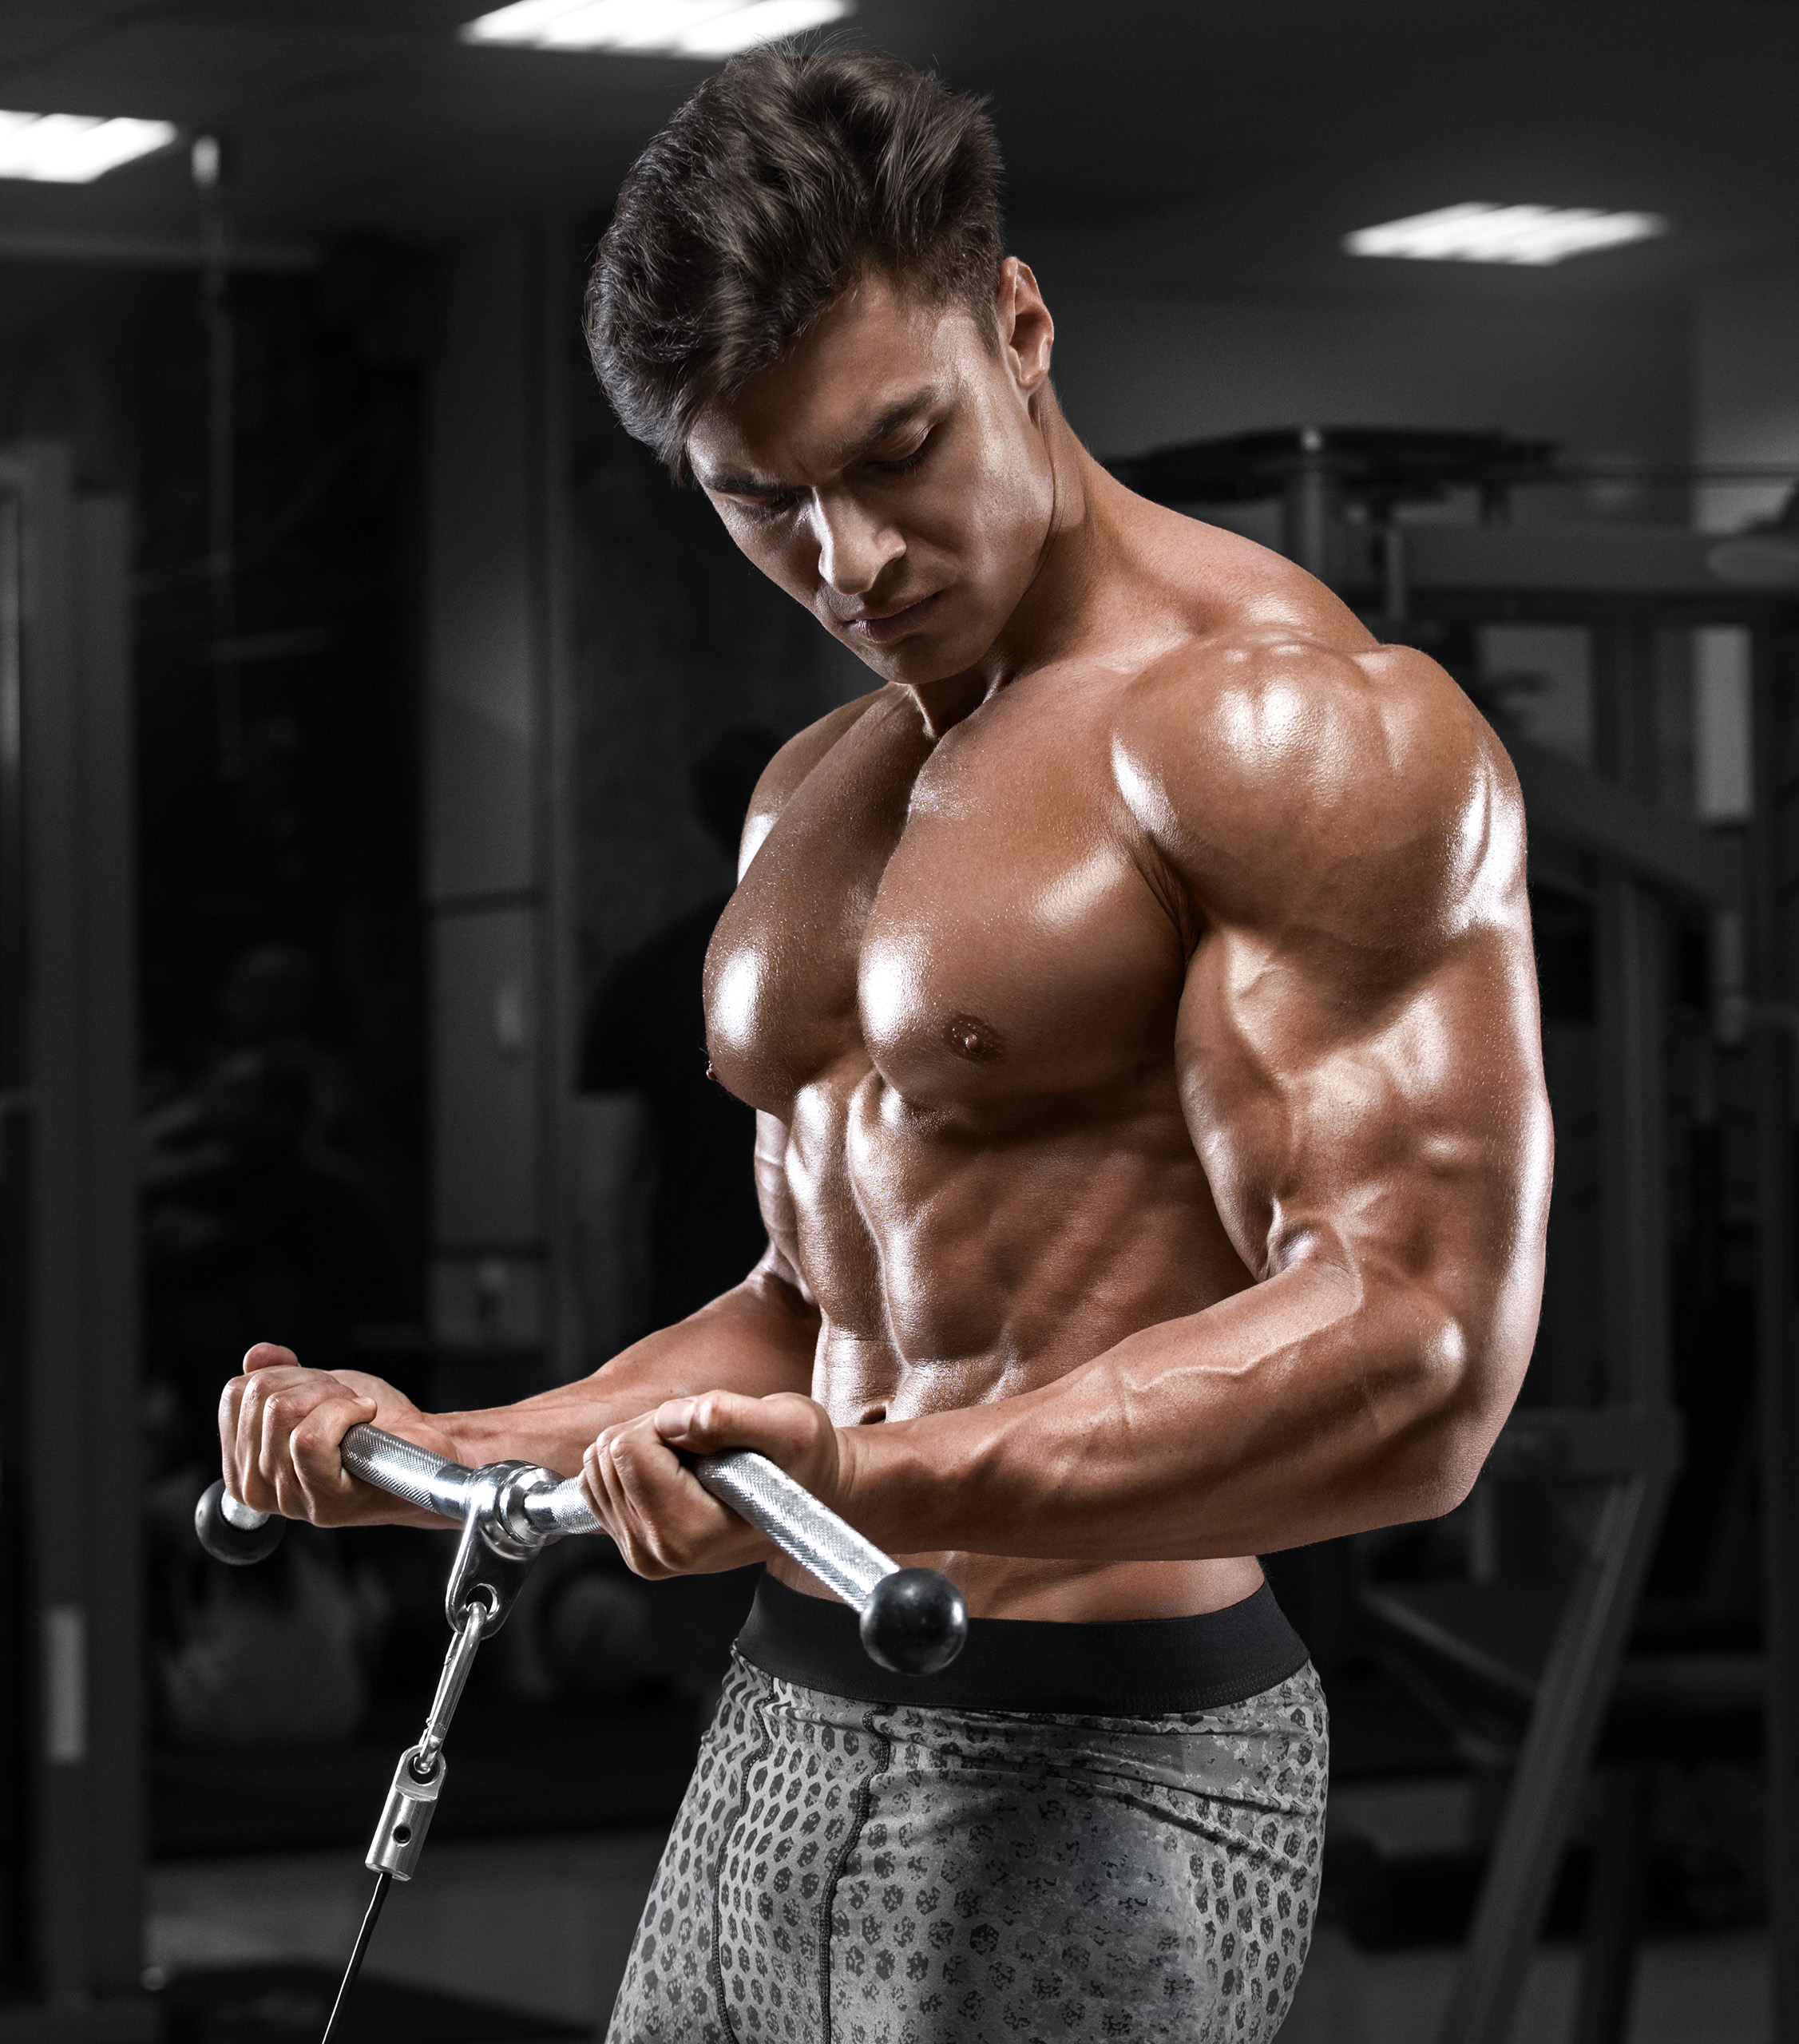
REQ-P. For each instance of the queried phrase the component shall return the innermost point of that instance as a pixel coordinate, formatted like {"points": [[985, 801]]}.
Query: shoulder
{"points": [[1281, 776], [791, 765]]}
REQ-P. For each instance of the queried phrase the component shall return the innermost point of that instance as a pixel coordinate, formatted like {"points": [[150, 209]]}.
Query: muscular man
{"points": [[1136, 992]]}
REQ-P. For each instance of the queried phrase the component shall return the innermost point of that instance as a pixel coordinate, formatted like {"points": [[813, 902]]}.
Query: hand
{"points": [[279, 1430], [664, 1521]]}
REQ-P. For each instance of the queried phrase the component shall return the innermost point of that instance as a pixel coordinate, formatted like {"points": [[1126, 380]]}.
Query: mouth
{"points": [[883, 626]]}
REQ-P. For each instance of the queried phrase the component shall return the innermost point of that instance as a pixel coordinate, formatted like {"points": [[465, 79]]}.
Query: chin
{"points": [[931, 657]]}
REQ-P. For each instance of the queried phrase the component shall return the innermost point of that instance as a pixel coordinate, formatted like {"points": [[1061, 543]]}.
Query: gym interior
{"points": [[375, 720]]}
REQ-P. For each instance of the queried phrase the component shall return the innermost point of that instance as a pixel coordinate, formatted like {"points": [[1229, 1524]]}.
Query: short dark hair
{"points": [[785, 179]]}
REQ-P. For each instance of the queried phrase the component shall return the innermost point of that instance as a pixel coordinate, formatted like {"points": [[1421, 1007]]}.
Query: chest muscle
{"points": [[916, 915]]}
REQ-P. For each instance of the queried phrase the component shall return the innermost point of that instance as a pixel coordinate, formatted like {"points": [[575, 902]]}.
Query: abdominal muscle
{"points": [[973, 1229], [1158, 1255]]}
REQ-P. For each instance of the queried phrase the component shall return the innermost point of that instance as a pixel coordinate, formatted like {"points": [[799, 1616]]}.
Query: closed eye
{"points": [[905, 464], [766, 508]]}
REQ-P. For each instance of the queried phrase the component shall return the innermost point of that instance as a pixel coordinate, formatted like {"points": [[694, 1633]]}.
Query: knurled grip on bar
{"points": [[405, 1470], [749, 1483], [754, 1487], [808, 1531], [912, 1619], [824, 1545]]}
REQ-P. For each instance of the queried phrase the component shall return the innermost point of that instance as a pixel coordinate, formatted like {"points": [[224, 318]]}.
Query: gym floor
{"points": [[544, 1925]]}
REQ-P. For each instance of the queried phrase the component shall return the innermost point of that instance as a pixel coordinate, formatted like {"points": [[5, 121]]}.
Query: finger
{"points": [[674, 1420], [689, 1528], [677, 1518], [230, 1402], [315, 1449], [250, 1398], [635, 1502], [269, 1354], [615, 1511], [275, 1403], [594, 1483], [783, 1426], [715, 1419]]}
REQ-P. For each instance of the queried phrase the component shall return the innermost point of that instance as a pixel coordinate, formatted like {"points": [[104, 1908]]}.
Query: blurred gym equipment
{"points": [[1550, 1656], [71, 1772]]}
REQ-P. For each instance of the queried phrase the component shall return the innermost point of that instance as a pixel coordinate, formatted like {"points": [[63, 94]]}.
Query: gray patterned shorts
{"points": [[849, 1872]]}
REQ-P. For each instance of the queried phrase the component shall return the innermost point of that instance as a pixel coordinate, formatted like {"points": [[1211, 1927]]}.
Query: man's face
{"points": [[889, 475]]}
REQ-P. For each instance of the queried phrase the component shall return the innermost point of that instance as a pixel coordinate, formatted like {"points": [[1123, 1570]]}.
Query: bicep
{"points": [[1358, 1045], [1392, 1123]]}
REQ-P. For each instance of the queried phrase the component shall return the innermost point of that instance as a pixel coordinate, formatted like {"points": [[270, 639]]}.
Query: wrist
{"points": [[886, 1487], [474, 1437]]}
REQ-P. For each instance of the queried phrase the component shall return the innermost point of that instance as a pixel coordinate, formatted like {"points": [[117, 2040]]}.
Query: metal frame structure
{"points": [[1773, 883], [1612, 1468], [70, 1390]]}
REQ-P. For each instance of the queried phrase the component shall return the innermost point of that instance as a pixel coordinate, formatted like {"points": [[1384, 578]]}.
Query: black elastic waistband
{"points": [[1134, 1668]]}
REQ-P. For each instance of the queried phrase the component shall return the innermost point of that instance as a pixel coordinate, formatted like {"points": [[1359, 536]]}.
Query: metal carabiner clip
{"points": [[489, 1571]]}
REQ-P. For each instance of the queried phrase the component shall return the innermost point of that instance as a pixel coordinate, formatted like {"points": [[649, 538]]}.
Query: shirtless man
{"points": [[1136, 993]]}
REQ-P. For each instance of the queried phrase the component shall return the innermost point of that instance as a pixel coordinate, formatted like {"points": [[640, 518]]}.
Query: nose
{"points": [[854, 545]]}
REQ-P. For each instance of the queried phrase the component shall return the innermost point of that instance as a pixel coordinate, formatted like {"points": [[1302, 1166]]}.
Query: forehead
{"points": [[879, 346]]}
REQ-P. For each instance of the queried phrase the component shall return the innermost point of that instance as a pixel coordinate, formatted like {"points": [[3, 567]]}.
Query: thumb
{"points": [[675, 1420], [713, 1419]]}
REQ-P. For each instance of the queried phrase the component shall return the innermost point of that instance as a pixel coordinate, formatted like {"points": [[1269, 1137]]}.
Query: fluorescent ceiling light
{"points": [[74, 148], [1475, 233], [665, 28]]}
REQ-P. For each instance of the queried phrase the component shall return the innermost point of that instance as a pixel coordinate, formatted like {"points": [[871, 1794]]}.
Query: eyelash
{"points": [[908, 462], [766, 512]]}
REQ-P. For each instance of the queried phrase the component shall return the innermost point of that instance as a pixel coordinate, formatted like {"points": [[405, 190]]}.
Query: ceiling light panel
{"points": [[652, 28], [74, 148], [1477, 233]]}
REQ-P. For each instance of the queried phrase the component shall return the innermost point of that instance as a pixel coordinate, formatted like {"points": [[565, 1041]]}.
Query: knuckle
{"points": [[307, 1433]]}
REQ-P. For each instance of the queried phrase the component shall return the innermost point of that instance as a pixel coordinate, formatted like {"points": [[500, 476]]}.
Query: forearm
{"points": [[757, 1338], [1295, 1410]]}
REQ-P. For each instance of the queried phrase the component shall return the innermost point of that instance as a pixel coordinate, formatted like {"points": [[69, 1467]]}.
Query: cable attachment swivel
{"points": [[492, 1562], [418, 1779]]}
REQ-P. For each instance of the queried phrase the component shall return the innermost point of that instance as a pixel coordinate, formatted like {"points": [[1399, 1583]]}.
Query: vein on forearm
{"points": [[1215, 1435]]}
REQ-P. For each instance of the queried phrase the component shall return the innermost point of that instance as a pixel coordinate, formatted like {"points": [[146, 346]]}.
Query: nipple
{"points": [[711, 1075], [970, 1037]]}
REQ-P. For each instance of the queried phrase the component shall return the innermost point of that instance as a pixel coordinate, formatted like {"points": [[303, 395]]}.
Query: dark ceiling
{"points": [[1193, 148]]}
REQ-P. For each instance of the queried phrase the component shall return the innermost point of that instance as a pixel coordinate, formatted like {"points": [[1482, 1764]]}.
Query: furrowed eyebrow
{"points": [[729, 485], [889, 421]]}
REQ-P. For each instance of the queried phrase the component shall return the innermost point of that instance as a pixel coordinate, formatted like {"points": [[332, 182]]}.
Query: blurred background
{"points": [[375, 722]]}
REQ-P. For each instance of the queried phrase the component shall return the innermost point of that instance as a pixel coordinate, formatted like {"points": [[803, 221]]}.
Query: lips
{"points": [[895, 624]]}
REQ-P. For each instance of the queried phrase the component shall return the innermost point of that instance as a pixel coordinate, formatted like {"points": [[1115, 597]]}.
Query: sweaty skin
{"points": [[1136, 995]]}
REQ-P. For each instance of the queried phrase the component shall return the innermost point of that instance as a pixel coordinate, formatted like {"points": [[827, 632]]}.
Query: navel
{"points": [[970, 1037]]}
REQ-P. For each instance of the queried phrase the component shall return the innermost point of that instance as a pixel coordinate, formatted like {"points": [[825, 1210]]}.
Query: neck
{"points": [[1051, 618]]}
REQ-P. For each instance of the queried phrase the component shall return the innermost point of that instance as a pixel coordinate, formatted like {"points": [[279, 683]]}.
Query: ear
{"points": [[1027, 332]]}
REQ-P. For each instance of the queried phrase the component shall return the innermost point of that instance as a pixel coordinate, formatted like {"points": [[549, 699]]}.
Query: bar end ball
{"points": [[239, 1545], [916, 1622]]}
